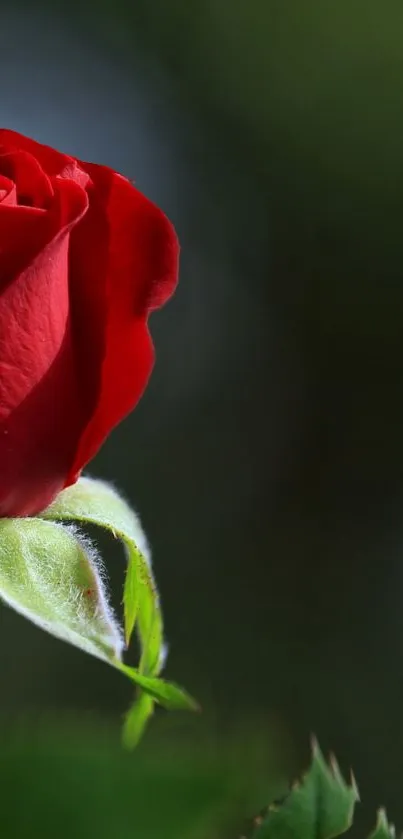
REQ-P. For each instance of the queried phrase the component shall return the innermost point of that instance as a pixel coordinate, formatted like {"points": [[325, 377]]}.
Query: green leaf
{"points": [[167, 694], [95, 502], [136, 720], [130, 596], [383, 829], [52, 575], [321, 806]]}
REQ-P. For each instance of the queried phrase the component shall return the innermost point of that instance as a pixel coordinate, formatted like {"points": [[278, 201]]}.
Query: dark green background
{"points": [[266, 457]]}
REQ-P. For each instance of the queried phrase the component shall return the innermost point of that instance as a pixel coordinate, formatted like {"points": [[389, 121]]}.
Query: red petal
{"points": [[33, 186], [8, 192], [40, 419], [124, 263], [25, 231], [51, 161]]}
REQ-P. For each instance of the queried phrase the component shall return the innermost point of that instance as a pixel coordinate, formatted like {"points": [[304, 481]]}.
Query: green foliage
{"points": [[75, 780], [320, 806], [137, 718], [94, 502], [175, 788], [383, 829], [50, 573], [168, 695]]}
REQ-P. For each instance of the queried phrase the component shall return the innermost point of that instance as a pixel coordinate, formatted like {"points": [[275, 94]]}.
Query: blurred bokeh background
{"points": [[266, 458]]}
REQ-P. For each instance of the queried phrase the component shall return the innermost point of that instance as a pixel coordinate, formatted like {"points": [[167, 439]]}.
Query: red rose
{"points": [[84, 258]]}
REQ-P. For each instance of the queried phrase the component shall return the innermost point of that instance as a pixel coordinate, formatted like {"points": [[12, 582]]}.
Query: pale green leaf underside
{"points": [[321, 806], [92, 501], [51, 576]]}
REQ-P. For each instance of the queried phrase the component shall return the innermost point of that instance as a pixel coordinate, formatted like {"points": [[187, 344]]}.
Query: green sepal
{"points": [[95, 502], [167, 694], [136, 720], [52, 575]]}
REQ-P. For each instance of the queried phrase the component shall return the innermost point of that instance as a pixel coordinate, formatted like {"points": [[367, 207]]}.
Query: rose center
{"points": [[33, 188]]}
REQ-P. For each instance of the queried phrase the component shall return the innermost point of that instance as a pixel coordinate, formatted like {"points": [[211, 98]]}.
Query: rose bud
{"points": [[84, 259]]}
